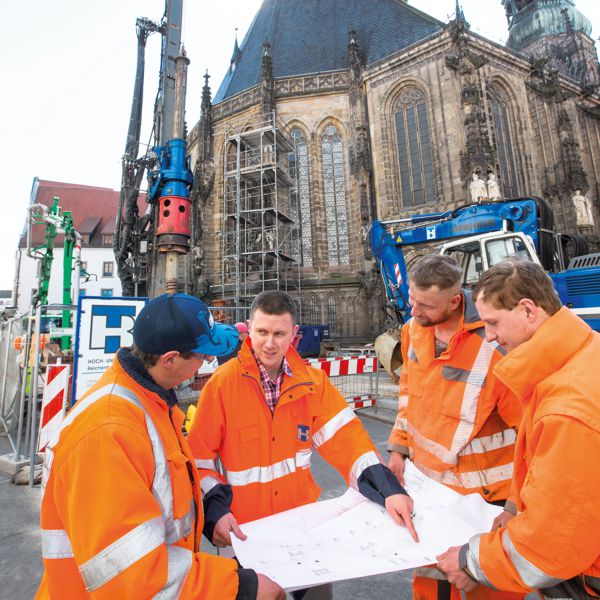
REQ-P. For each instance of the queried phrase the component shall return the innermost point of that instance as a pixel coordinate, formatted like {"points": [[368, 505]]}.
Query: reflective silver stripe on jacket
{"points": [[531, 575], [56, 544], [473, 385], [180, 562], [469, 479], [402, 401], [122, 553], [473, 563], [495, 441], [205, 464], [366, 460], [270, 472], [208, 483], [327, 431], [477, 445], [146, 537]]}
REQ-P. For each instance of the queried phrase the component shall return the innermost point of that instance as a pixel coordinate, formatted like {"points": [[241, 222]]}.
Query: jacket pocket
{"points": [[180, 483]]}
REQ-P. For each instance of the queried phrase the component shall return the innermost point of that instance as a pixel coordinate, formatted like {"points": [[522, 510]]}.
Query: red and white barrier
{"points": [[342, 366], [54, 402]]}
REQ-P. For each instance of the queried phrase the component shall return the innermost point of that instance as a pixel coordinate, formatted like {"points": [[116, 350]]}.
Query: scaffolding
{"points": [[260, 229]]}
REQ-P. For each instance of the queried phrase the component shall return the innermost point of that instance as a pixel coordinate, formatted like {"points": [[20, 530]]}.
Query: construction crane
{"points": [[55, 222], [146, 247]]}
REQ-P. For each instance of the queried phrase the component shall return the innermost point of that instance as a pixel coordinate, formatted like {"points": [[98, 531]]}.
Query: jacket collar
{"points": [[557, 340], [136, 370], [300, 372]]}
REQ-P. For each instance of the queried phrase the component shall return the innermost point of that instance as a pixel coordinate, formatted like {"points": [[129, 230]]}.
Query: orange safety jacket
{"points": [[121, 515], [266, 455], [455, 420], [555, 535]]}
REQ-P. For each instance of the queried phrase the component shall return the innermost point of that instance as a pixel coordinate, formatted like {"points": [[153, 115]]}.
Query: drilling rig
{"points": [[147, 246]]}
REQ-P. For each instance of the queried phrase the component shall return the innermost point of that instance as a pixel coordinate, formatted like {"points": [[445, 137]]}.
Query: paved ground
{"points": [[20, 562]]}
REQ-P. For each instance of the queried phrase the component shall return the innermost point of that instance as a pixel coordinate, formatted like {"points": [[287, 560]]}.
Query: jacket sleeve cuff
{"points": [[248, 586], [398, 448], [377, 482], [510, 507], [216, 504], [462, 561]]}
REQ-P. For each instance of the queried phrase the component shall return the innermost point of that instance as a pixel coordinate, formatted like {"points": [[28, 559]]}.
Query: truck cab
{"points": [[476, 254]]}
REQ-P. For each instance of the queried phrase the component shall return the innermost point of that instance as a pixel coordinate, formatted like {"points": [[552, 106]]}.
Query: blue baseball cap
{"points": [[183, 323]]}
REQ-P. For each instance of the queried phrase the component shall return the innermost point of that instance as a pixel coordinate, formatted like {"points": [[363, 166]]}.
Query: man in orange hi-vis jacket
{"points": [[262, 413], [455, 420], [552, 542], [121, 511]]}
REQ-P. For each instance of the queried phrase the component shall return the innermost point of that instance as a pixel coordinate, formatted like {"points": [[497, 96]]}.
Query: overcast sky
{"points": [[68, 66]]}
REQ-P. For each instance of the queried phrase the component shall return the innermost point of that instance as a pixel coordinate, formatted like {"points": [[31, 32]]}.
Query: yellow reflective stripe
{"points": [[327, 431], [122, 553], [531, 575], [202, 463], [56, 544], [468, 409], [270, 472], [470, 479], [366, 460], [481, 445]]}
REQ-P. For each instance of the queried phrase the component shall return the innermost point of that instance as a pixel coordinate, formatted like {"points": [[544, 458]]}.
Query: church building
{"points": [[333, 114]]}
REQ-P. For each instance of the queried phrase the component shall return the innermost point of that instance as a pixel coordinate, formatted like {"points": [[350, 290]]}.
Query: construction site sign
{"points": [[103, 326]]}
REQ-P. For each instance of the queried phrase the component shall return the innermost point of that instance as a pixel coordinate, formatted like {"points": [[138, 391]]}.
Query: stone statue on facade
{"points": [[583, 211], [493, 190], [477, 189]]}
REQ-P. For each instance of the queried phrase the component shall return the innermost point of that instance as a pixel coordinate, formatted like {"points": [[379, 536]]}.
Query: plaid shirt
{"points": [[272, 388]]}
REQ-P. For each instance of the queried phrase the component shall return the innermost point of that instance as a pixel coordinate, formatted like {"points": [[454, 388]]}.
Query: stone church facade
{"points": [[389, 114]]}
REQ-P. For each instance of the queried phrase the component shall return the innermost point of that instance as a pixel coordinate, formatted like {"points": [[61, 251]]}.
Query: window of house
{"points": [[336, 211], [415, 156], [107, 269], [505, 147], [107, 239], [301, 199], [106, 292]]}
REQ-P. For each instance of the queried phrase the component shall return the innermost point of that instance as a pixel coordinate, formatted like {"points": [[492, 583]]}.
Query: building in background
{"points": [[386, 112], [94, 211]]}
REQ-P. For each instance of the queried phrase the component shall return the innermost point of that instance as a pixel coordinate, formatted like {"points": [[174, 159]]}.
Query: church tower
{"points": [[556, 32]]}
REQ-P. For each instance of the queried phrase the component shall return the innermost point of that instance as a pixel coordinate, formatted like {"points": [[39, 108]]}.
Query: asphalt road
{"points": [[20, 560]]}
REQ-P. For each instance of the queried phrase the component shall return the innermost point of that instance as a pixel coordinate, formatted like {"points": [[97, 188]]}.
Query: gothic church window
{"points": [[331, 313], [302, 240], [415, 156], [505, 148], [336, 212]]}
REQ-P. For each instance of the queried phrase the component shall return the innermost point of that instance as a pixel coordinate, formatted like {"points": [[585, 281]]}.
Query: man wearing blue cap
{"points": [[121, 508]]}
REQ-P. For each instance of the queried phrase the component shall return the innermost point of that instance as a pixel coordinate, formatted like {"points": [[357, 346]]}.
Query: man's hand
{"points": [[502, 519], [449, 565], [268, 589], [396, 466], [400, 506], [222, 531]]}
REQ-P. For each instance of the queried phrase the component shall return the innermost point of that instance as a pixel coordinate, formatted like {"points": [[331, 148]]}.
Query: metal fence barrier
{"points": [[354, 376]]}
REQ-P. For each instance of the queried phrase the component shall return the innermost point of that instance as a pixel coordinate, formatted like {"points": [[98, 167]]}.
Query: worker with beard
{"points": [[455, 421]]}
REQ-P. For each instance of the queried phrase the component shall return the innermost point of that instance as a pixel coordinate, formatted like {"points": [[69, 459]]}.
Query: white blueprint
{"points": [[350, 536]]}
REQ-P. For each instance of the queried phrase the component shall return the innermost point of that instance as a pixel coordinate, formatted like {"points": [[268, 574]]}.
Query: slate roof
{"points": [[311, 36], [94, 210]]}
